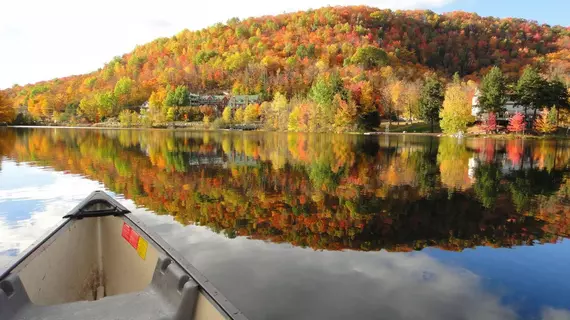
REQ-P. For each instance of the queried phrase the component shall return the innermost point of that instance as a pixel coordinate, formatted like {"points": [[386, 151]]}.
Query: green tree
{"points": [[178, 97], [370, 57], [126, 118], [456, 112], [531, 91], [89, 108], [431, 100], [108, 103], [558, 96], [123, 89], [323, 92], [493, 93]]}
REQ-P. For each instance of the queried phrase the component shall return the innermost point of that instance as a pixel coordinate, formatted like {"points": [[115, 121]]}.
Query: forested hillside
{"points": [[366, 51]]}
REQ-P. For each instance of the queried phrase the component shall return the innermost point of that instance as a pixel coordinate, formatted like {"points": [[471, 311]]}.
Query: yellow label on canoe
{"points": [[142, 247]]}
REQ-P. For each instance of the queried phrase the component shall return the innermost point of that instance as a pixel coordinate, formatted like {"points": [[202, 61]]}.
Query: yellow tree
{"points": [[411, 101], [238, 115], [6, 110], [366, 98], [227, 114], [251, 113], [456, 111], [155, 106], [345, 116], [395, 90], [88, 108], [294, 119], [545, 123], [45, 107]]}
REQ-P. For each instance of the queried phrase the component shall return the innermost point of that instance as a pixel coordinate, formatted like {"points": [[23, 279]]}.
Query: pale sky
{"points": [[45, 39]]}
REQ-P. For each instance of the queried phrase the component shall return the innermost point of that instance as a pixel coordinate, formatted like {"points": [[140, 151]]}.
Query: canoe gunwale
{"points": [[220, 301], [76, 213], [32, 249]]}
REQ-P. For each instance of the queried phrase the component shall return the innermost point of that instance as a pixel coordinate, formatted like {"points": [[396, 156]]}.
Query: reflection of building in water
{"points": [[472, 167], [206, 160], [219, 159], [507, 162], [212, 157], [240, 159]]}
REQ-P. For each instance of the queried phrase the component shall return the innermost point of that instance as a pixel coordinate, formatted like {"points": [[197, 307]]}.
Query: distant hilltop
{"points": [[286, 54]]}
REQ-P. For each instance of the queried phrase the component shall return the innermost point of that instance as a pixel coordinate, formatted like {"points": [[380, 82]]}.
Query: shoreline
{"points": [[367, 133]]}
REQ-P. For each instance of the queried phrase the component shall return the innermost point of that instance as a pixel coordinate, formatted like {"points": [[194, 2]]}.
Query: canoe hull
{"points": [[110, 265]]}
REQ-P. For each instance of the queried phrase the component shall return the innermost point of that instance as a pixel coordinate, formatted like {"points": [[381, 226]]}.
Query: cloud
{"points": [[53, 200], [286, 281], [550, 313], [58, 38], [330, 285]]}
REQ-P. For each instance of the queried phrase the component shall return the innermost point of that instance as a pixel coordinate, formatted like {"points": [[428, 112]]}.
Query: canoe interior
{"points": [[86, 255], [100, 265]]}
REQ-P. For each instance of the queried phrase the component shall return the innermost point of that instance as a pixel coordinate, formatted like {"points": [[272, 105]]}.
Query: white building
{"points": [[510, 106]]}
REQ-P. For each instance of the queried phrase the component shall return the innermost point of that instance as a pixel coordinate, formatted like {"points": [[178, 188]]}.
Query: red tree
{"points": [[516, 123], [490, 124]]}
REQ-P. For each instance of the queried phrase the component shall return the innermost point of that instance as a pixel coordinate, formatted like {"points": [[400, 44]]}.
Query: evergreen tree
{"points": [[531, 91], [431, 100], [558, 96], [493, 95]]}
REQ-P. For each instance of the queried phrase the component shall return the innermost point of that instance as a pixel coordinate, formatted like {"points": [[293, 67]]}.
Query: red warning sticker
{"points": [[126, 233], [135, 240], [130, 235]]}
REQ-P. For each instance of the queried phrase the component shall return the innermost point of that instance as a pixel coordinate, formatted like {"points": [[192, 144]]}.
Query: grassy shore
{"points": [[415, 127]]}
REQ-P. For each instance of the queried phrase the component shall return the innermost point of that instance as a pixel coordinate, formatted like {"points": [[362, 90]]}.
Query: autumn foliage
{"points": [[6, 110], [368, 48], [516, 123], [490, 124], [544, 123]]}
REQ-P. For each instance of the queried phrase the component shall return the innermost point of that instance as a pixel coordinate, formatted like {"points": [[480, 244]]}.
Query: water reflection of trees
{"points": [[328, 191], [7, 141]]}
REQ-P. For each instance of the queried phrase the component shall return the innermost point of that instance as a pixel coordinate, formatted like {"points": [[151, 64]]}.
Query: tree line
{"points": [[377, 54]]}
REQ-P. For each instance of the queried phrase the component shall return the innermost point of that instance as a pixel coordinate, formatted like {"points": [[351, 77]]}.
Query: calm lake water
{"points": [[295, 226]]}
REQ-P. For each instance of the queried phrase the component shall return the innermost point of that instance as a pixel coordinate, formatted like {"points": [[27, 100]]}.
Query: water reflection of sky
{"points": [[279, 281]]}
